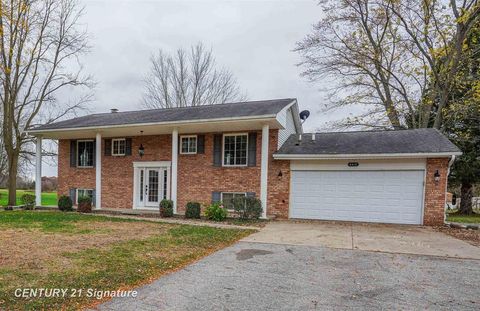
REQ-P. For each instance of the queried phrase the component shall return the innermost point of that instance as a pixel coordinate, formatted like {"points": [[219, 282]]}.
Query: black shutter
{"points": [[94, 198], [73, 191], [128, 146], [94, 152], [201, 144], [216, 196], [108, 147], [250, 194], [252, 149], [217, 150], [73, 153]]}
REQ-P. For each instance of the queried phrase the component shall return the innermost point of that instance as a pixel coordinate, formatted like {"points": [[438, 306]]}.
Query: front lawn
{"points": [[453, 216], [48, 198], [81, 252]]}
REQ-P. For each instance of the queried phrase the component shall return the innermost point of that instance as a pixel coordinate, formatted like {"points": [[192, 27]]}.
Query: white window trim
{"points": [[227, 192], [76, 156], [119, 154], [83, 189], [223, 151], [189, 136]]}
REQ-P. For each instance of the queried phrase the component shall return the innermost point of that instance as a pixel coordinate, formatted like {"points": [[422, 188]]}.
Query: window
{"points": [[84, 193], [227, 198], [85, 153], [118, 147], [188, 144], [235, 150]]}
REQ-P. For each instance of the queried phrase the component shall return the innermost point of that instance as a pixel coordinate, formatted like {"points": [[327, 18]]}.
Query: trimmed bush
{"points": [[192, 210], [84, 205], [216, 212], [247, 207], [166, 208], [65, 204], [28, 201]]}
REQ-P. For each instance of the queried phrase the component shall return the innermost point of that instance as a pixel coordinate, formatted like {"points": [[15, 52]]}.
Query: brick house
{"points": [[215, 153]]}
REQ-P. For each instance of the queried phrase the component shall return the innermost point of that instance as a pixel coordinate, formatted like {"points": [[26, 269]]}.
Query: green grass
{"points": [[124, 264], [49, 222], [48, 198], [473, 219]]}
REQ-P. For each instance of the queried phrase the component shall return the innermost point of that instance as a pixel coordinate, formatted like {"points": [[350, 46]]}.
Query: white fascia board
{"points": [[363, 156], [176, 123], [295, 114]]}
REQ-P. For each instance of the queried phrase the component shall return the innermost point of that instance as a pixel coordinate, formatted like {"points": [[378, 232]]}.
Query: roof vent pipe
{"points": [[114, 110], [313, 136]]}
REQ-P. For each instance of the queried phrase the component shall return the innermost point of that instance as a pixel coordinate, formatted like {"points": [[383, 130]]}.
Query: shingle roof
{"points": [[369, 142], [227, 110]]}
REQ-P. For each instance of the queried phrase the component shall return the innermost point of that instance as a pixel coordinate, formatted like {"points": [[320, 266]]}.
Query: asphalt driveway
{"points": [[284, 276]]}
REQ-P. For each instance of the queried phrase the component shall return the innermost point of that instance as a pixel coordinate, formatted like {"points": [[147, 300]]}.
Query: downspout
{"points": [[450, 163]]}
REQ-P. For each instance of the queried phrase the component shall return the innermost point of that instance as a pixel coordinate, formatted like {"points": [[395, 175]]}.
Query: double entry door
{"points": [[151, 186]]}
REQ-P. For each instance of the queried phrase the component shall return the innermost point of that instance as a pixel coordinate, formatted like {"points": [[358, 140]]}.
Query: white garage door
{"points": [[370, 196]]}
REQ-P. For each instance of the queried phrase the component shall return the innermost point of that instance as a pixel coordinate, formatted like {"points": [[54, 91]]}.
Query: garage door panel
{"points": [[373, 196]]}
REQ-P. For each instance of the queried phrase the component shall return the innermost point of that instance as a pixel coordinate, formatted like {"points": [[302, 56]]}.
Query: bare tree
{"points": [[40, 43], [188, 79], [397, 59]]}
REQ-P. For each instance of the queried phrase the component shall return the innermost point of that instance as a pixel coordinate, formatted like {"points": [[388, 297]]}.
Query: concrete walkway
{"points": [[370, 237]]}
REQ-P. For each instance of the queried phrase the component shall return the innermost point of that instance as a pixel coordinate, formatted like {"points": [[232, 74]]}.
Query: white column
{"points": [[38, 172], [264, 170], [173, 195], [98, 171]]}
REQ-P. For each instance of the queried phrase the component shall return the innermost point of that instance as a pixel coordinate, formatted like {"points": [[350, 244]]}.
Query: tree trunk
{"points": [[466, 194], [12, 179]]}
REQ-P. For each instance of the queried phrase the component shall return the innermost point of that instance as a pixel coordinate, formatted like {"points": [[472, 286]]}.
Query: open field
{"points": [[77, 251], [48, 198]]}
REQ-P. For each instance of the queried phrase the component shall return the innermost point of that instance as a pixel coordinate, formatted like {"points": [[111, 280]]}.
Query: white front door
{"points": [[151, 186]]}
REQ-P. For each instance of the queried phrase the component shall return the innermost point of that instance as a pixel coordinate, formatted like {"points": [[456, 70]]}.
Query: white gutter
{"points": [[176, 123], [362, 156]]}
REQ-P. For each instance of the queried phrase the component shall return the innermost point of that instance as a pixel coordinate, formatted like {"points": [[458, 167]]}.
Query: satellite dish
{"points": [[304, 115]]}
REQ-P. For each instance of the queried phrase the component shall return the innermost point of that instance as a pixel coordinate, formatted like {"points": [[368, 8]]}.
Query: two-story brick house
{"points": [[215, 153]]}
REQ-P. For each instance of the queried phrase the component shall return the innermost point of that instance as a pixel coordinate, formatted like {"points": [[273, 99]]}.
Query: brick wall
{"points": [[117, 172], [72, 177], [197, 177], [434, 207], [278, 186]]}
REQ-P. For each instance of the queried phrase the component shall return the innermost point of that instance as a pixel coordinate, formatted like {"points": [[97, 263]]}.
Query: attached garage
{"points": [[373, 176], [368, 196]]}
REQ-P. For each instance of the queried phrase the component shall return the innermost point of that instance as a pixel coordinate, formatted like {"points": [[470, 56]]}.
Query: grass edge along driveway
{"points": [[121, 264]]}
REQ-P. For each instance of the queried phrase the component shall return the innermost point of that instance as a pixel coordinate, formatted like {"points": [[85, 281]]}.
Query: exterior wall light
{"points": [[280, 174], [436, 176]]}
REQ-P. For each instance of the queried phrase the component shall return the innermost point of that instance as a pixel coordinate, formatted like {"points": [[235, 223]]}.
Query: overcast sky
{"points": [[254, 39]]}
